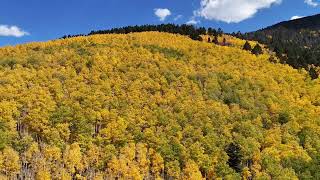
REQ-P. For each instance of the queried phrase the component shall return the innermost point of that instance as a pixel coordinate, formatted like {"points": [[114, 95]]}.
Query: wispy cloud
{"points": [[232, 11], [192, 22], [162, 14], [14, 31], [311, 3], [178, 17]]}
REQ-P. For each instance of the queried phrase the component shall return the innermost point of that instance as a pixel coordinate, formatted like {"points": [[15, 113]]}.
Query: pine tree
{"points": [[220, 32], [210, 31], [257, 50], [233, 151], [247, 46]]}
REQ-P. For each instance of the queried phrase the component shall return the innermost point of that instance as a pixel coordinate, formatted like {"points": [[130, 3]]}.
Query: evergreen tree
{"points": [[257, 50], [196, 37], [202, 30], [210, 31], [247, 46], [220, 32], [233, 151]]}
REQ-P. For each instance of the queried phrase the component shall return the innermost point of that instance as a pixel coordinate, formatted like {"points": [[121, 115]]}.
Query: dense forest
{"points": [[154, 105], [295, 42], [211, 35]]}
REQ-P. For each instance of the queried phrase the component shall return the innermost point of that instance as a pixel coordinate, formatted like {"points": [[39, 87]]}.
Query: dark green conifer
{"points": [[257, 50], [247, 46]]}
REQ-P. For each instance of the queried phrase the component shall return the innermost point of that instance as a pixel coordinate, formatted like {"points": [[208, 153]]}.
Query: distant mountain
{"points": [[296, 42]]}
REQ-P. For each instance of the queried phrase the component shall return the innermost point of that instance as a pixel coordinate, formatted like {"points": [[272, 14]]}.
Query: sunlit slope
{"points": [[154, 105]]}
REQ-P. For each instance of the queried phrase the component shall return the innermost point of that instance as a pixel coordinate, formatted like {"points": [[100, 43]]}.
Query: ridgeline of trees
{"points": [[188, 30], [191, 31], [298, 47]]}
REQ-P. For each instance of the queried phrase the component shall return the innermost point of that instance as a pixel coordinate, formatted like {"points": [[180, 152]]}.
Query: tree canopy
{"points": [[154, 105]]}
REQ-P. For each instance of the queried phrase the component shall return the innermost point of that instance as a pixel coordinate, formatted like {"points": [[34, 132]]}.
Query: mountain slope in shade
{"points": [[309, 22], [295, 42]]}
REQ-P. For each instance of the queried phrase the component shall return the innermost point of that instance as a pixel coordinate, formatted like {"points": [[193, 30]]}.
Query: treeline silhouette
{"points": [[184, 29]]}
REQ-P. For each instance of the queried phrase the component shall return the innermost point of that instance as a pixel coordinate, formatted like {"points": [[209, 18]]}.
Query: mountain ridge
{"points": [[308, 22]]}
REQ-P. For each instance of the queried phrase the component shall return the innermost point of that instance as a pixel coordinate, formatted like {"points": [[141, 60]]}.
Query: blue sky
{"points": [[24, 21]]}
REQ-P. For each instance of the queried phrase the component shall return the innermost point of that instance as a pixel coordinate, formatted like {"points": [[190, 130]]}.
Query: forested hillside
{"points": [[184, 29], [154, 106], [295, 42]]}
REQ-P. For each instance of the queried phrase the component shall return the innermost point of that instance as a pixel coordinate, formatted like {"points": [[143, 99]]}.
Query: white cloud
{"points": [[311, 3], [296, 17], [15, 31], [232, 11], [178, 17], [192, 22], [162, 14]]}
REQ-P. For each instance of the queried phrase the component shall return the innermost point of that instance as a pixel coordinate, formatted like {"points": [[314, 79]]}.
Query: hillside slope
{"points": [[154, 105], [296, 42], [309, 22]]}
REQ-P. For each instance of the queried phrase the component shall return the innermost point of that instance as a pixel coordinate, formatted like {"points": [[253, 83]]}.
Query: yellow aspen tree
{"points": [[129, 166], [191, 171], [53, 157], [246, 174], [72, 158], [114, 169], [173, 169], [157, 163], [64, 174], [92, 156], [32, 151], [142, 159], [11, 162], [43, 175], [1, 164], [98, 176]]}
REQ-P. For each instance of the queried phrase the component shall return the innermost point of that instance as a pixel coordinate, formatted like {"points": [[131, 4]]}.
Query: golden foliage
{"points": [[154, 105]]}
